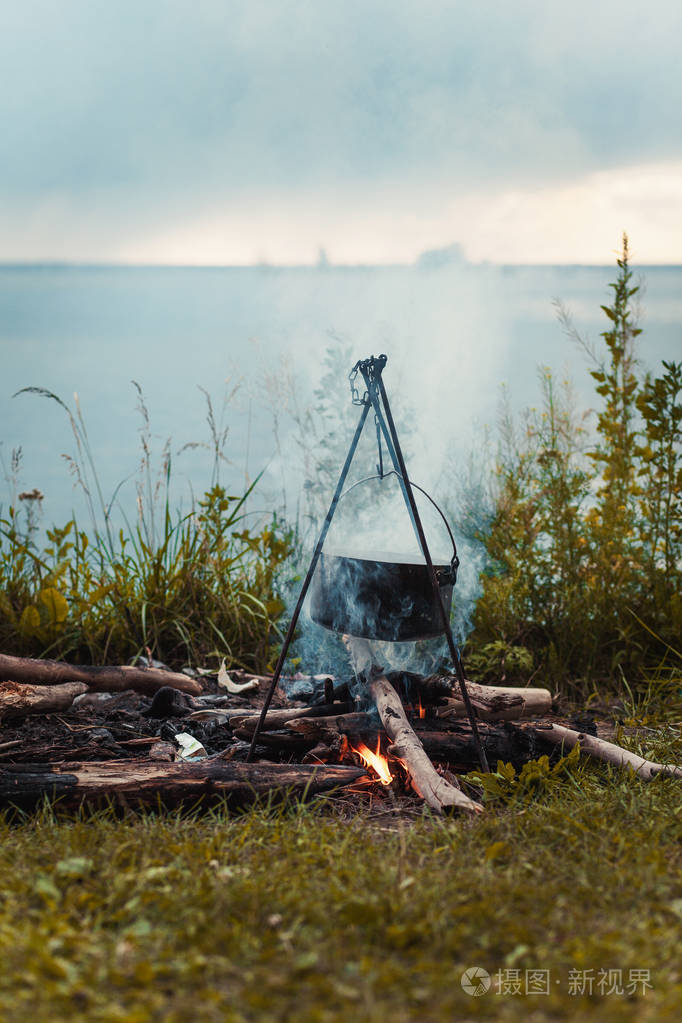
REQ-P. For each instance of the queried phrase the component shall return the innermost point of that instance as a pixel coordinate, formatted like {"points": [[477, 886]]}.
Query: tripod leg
{"points": [[408, 493], [306, 583]]}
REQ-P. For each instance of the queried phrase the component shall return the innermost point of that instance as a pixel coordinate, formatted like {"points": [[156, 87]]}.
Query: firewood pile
{"points": [[144, 736]]}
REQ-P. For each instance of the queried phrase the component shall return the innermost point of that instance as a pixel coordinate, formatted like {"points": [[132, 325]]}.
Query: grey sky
{"points": [[128, 128]]}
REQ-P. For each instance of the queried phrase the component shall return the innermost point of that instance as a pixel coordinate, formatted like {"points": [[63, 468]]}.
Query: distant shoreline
{"points": [[325, 268]]}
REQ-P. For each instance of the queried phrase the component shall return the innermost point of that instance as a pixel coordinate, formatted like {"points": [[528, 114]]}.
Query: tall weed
{"points": [[180, 588]]}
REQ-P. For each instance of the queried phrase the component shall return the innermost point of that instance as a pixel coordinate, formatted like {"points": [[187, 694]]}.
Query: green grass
{"points": [[334, 912], [184, 588]]}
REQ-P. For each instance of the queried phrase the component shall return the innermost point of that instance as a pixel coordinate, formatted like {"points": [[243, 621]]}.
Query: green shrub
{"points": [[584, 550]]}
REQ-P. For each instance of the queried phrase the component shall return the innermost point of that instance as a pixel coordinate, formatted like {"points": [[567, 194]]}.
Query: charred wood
{"points": [[108, 678], [410, 686], [458, 749], [148, 783], [328, 752], [357, 723], [282, 716], [491, 702], [278, 739]]}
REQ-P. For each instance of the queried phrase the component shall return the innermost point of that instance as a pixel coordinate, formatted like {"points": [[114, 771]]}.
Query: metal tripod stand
{"points": [[375, 397]]}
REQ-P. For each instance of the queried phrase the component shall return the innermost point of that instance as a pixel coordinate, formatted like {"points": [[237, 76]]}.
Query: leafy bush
{"points": [[584, 550], [536, 777]]}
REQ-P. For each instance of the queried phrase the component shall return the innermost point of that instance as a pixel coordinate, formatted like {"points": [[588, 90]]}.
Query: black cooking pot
{"points": [[385, 597]]}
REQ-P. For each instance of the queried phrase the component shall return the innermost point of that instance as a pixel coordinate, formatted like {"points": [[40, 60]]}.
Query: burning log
{"points": [[431, 786], [108, 678], [330, 752], [608, 752], [18, 701], [325, 737], [456, 747], [147, 783]]}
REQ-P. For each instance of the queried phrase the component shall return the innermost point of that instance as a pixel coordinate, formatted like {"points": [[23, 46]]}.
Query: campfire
{"points": [[146, 736], [173, 737], [386, 598]]}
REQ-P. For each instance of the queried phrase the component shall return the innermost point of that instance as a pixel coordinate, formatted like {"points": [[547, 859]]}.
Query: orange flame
{"points": [[422, 712], [376, 761]]}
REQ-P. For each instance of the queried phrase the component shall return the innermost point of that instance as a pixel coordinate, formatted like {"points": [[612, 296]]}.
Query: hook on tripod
{"points": [[371, 370]]}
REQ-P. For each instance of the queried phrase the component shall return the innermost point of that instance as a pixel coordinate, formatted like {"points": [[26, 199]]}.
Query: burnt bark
{"points": [[148, 783], [457, 747], [247, 722]]}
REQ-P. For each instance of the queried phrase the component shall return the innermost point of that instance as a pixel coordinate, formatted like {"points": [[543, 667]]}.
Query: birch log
{"points": [[608, 752], [431, 786]]}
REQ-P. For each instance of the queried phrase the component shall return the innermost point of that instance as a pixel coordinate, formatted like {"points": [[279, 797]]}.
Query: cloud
{"points": [[573, 221], [581, 221], [577, 221], [138, 118]]}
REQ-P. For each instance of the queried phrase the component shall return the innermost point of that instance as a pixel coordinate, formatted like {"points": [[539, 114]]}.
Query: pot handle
{"points": [[443, 577]]}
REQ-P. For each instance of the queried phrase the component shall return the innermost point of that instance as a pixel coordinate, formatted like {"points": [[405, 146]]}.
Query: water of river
{"points": [[453, 333]]}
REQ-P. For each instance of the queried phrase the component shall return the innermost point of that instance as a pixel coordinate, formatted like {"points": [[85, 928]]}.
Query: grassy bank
{"points": [[335, 912], [145, 580]]}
